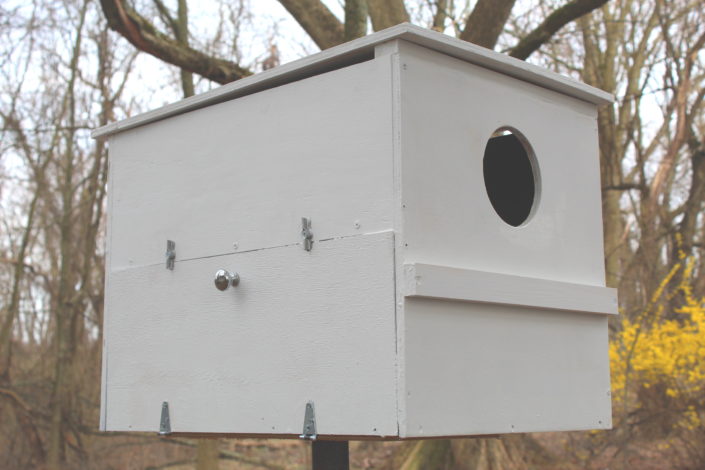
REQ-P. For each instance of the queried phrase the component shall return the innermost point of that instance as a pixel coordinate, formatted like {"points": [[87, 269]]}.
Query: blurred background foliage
{"points": [[68, 66]]}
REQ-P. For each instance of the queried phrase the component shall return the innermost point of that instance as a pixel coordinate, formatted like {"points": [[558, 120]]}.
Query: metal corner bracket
{"points": [[309, 431], [165, 422]]}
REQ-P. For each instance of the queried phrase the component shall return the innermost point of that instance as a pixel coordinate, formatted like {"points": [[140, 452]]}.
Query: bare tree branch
{"points": [[439, 17], [178, 26], [181, 34], [486, 22], [165, 15], [555, 21], [355, 19], [387, 13], [317, 20], [143, 35], [687, 228]]}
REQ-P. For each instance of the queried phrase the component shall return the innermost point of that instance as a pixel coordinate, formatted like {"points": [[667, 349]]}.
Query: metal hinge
{"points": [[165, 422], [307, 233], [309, 431], [170, 254]]}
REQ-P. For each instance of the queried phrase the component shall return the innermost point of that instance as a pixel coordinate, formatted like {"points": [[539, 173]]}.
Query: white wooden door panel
{"points": [[495, 369], [300, 326], [246, 171]]}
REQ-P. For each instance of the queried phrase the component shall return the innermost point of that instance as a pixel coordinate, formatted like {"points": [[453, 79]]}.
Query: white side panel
{"points": [[491, 369], [300, 326], [245, 171], [449, 110]]}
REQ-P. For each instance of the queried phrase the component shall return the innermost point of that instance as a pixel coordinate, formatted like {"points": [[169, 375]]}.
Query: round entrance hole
{"points": [[511, 175]]}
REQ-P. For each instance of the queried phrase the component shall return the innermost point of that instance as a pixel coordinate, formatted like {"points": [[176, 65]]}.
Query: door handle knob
{"points": [[224, 279]]}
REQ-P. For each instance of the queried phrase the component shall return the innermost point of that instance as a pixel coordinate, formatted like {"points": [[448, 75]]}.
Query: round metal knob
{"points": [[224, 279]]}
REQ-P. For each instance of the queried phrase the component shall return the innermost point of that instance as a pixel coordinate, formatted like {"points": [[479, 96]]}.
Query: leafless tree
{"points": [[64, 72]]}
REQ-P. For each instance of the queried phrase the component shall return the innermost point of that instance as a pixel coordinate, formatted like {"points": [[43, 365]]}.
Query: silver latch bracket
{"points": [[165, 422], [307, 233], [170, 254], [309, 431]]}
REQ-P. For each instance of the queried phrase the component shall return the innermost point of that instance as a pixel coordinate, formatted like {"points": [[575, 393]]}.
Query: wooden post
{"points": [[330, 455]]}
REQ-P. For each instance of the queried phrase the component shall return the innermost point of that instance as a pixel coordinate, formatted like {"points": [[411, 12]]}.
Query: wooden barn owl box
{"points": [[399, 237]]}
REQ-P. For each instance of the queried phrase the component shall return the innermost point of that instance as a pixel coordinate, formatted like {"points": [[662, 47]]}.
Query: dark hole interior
{"points": [[509, 178]]}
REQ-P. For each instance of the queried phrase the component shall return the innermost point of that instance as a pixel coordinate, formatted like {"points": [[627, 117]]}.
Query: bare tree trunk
{"points": [[486, 22], [441, 14], [355, 19], [66, 308], [182, 36], [180, 30], [12, 310], [387, 13]]}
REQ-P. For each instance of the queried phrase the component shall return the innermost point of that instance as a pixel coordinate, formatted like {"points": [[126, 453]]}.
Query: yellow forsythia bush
{"points": [[651, 350]]}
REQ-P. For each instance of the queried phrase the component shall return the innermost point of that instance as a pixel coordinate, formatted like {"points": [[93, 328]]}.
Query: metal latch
{"points": [[170, 254], [307, 233]]}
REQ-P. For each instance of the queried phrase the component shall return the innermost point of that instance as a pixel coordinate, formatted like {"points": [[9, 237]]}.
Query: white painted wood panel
{"points": [[449, 109], [494, 369], [300, 326], [443, 282], [246, 171]]}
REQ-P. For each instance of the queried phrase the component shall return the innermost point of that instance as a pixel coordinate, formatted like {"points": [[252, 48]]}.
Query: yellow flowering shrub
{"points": [[661, 350]]}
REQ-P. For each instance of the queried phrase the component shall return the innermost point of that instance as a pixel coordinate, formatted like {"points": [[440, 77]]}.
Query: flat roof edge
{"points": [[354, 51], [506, 65]]}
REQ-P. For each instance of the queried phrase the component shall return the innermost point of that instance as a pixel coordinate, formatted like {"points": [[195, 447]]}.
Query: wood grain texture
{"points": [[448, 217], [362, 49], [496, 369], [392, 48], [246, 171], [300, 326], [443, 282]]}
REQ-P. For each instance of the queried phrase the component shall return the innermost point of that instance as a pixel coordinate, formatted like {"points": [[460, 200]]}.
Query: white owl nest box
{"points": [[448, 278]]}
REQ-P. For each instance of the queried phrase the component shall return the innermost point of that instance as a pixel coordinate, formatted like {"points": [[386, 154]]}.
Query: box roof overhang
{"points": [[359, 50]]}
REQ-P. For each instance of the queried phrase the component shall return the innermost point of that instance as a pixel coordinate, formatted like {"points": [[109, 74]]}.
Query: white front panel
{"points": [[245, 171], [301, 326], [449, 109], [476, 368], [498, 362]]}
